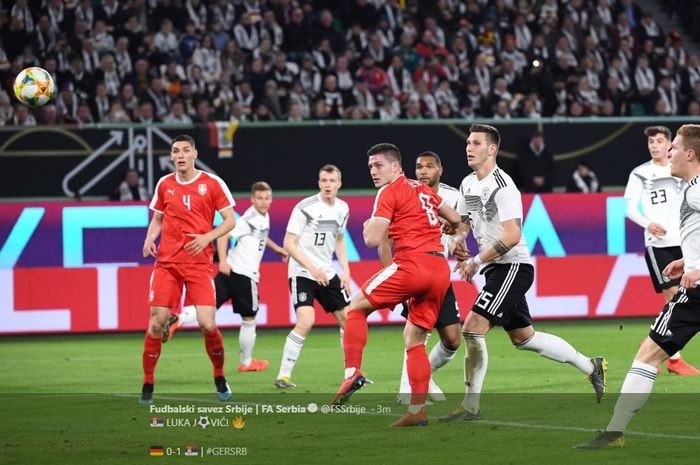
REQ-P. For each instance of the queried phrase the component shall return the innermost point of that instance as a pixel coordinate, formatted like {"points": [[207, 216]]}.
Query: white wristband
{"points": [[477, 260]]}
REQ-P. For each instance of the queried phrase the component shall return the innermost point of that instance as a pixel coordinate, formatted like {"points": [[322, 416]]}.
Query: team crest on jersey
{"points": [[202, 189], [485, 193], [302, 297]]}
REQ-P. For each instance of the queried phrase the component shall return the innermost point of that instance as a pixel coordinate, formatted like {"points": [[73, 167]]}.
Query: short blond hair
{"points": [[691, 138], [330, 169], [260, 186]]}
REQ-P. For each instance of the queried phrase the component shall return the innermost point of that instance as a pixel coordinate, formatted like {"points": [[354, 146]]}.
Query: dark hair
{"points": [[182, 138], [429, 153], [651, 131], [491, 132], [386, 149], [260, 186]]}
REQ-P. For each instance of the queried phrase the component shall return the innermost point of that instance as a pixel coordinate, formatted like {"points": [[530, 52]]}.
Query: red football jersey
{"points": [[411, 208], [188, 207]]}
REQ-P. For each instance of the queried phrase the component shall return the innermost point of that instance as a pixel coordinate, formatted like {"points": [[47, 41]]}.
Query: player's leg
{"points": [[635, 392], [428, 287], [418, 371], [404, 395], [555, 348], [341, 316], [214, 344], [354, 341], [151, 351], [244, 296], [165, 291], [201, 292], [675, 363], [476, 360], [675, 326], [303, 292], [444, 351], [657, 258]]}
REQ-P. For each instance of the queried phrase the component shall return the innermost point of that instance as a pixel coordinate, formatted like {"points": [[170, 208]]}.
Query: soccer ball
{"points": [[34, 86]]}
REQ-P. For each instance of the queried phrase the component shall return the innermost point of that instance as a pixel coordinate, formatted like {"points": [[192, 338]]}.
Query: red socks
{"points": [[215, 349], [355, 338], [151, 352], [418, 368]]}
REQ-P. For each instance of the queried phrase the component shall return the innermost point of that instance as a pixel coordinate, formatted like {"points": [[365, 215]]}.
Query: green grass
{"points": [[72, 399]]}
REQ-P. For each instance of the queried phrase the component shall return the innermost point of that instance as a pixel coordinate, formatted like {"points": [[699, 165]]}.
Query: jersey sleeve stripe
{"points": [[381, 218], [499, 179], [376, 199], [227, 192], [154, 200]]}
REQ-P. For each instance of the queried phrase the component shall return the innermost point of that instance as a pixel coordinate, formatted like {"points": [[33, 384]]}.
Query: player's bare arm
{"points": [[384, 250], [341, 251], [510, 237], [374, 231], [674, 270], [154, 228], [222, 251], [272, 245], [291, 245], [200, 241]]}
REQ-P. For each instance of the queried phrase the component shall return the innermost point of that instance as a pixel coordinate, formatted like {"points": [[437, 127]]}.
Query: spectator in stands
{"points": [[535, 166], [177, 114], [84, 115], [583, 180], [531, 47], [131, 188]]}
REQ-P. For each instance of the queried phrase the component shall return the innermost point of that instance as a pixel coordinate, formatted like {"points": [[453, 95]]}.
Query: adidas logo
{"points": [[500, 315]]}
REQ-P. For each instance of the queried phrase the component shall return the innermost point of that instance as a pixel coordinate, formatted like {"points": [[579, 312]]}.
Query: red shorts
{"points": [[167, 280], [420, 278]]}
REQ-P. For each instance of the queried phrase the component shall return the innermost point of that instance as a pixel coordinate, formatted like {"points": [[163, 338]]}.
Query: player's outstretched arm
{"points": [[341, 251], [272, 245], [291, 245], [154, 228], [200, 241]]}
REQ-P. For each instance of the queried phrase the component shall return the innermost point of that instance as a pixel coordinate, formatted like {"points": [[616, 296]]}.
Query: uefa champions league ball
{"points": [[34, 86]]}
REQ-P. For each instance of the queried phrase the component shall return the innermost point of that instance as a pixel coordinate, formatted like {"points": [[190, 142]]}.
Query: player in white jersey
{"points": [[239, 273], [428, 171], [316, 230], [679, 320], [491, 204], [660, 195]]}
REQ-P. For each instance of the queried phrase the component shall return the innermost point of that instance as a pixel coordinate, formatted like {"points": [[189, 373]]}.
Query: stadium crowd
{"points": [[195, 61]]}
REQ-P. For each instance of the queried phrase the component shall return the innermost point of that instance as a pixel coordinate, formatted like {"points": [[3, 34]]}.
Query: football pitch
{"points": [[72, 400]]}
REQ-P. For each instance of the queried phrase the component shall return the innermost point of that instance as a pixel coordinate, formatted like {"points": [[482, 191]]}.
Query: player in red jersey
{"points": [[183, 207], [408, 211]]}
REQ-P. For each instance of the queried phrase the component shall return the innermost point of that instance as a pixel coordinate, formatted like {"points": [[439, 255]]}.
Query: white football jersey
{"points": [[318, 225], [690, 225], [251, 232], [451, 197], [486, 204], [660, 195]]}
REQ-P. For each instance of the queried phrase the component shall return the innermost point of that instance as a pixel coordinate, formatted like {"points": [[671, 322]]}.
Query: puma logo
{"points": [[171, 191]]}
